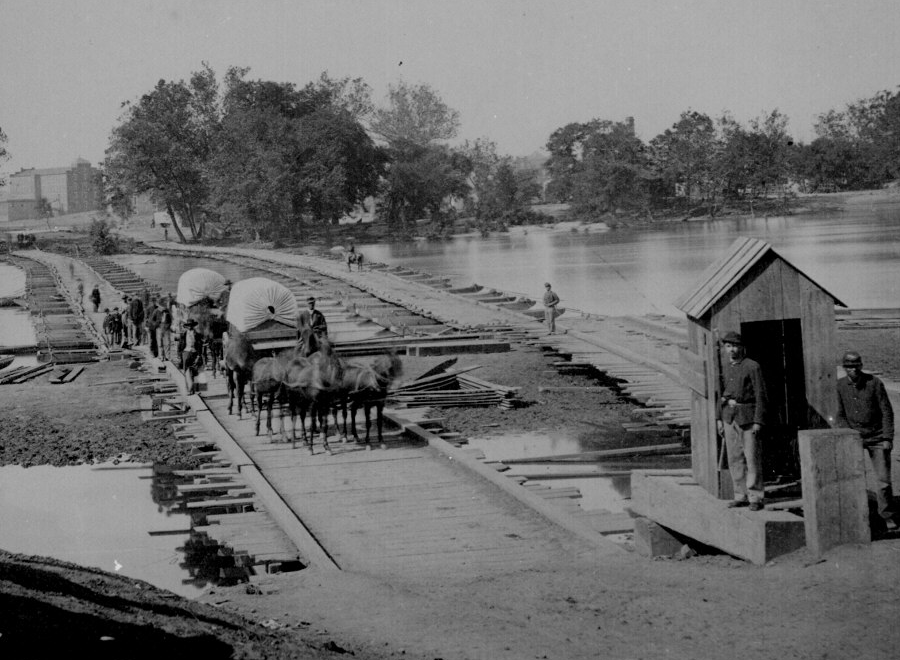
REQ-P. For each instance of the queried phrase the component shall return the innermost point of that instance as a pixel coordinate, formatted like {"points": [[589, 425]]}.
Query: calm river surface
{"points": [[855, 255]]}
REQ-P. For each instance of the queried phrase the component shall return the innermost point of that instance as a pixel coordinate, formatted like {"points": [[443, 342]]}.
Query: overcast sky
{"points": [[515, 70]]}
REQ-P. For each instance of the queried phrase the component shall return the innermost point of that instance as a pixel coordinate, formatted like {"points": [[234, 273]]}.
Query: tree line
{"points": [[268, 159], [276, 160], [703, 165]]}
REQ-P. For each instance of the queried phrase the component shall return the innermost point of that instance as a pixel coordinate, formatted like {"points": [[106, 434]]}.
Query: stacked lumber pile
{"points": [[454, 387], [24, 373]]}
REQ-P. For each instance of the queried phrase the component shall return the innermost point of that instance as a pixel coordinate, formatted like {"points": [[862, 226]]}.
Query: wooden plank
{"points": [[692, 368], [73, 374], [212, 504], [835, 507], [602, 453], [688, 509]]}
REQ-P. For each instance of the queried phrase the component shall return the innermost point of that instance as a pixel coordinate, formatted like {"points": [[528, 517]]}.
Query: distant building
{"points": [[67, 189]]}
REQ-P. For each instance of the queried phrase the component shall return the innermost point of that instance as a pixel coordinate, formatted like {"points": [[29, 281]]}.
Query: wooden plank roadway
{"points": [[404, 512]]}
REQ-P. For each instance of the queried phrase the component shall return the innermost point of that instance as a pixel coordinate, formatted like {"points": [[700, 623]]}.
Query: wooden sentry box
{"points": [[787, 323]]}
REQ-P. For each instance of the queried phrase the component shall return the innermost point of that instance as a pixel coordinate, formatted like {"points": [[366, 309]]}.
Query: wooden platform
{"points": [[679, 504], [405, 511]]}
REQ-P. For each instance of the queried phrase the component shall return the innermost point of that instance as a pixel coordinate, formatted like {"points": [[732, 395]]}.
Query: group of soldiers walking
{"points": [[137, 323]]}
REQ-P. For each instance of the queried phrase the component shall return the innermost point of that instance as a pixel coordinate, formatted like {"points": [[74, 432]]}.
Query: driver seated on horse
{"points": [[354, 257], [317, 319]]}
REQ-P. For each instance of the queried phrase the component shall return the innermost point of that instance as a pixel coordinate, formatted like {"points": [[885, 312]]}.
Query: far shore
{"points": [[559, 218]]}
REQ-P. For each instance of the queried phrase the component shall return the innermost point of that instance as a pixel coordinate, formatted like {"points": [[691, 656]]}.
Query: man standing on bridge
{"points": [[551, 300]]}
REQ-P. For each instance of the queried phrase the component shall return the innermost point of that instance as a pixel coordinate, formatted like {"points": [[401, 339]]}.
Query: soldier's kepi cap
{"points": [[851, 359], [732, 338], [311, 299]]}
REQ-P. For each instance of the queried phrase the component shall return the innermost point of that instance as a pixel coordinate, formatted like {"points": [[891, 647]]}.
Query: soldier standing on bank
{"points": [[863, 406]]}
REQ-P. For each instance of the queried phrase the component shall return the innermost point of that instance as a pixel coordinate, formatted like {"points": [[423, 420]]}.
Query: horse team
{"points": [[307, 380]]}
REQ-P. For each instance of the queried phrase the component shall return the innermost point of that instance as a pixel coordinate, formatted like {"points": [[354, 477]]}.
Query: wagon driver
{"points": [[317, 319]]}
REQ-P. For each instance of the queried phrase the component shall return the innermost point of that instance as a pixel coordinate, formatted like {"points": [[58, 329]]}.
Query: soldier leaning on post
{"points": [[740, 416], [863, 406]]}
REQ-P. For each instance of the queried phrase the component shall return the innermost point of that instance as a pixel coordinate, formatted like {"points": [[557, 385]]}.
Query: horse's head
{"points": [[326, 349], [388, 366], [239, 352]]}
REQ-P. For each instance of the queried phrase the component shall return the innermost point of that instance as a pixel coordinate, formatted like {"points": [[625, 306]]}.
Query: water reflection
{"points": [[15, 325], [852, 254], [603, 485], [100, 516]]}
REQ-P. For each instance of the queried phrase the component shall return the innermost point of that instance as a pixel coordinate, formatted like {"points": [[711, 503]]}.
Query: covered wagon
{"points": [[262, 309], [198, 284]]}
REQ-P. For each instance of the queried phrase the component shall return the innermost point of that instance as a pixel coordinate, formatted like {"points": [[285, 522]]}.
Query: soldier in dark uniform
{"points": [[317, 319], [740, 417]]}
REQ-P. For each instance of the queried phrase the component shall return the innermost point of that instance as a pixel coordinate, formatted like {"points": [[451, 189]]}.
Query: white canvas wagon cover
{"points": [[198, 283], [258, 299]]}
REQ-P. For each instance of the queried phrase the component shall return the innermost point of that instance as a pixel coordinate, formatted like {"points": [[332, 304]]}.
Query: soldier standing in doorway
{"points": [[740, 416]]}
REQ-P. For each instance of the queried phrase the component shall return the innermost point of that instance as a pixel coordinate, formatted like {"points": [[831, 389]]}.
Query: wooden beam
{"points": [[682, 506], [835, 506]]}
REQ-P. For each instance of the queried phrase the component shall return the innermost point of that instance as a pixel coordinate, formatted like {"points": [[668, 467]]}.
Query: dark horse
{"points": [[299, 380], [239, 360], [355, 258], [267, 378], [366, 387], [312, 383], [211, 325]]}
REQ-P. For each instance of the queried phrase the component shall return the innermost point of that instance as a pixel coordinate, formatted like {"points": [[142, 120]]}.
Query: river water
{"points": [[854, 254]]}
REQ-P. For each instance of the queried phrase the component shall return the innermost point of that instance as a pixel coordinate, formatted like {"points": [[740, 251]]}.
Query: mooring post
{"points": [[835, 505]]}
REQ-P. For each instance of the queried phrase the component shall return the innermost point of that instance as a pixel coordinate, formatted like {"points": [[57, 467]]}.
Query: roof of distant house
{"points": [[44, 172]]}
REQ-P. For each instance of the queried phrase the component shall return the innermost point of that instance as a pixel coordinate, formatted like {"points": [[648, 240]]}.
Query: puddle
{"points": [[15, 325], [101, 517], [16, 328], [603, 485]]}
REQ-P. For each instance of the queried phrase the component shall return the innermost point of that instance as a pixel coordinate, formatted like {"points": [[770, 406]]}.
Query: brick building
{"points": [[67, 189]]}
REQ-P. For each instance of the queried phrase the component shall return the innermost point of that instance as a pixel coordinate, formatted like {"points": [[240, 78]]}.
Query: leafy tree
{"points": [[598, 166], [422, 174], [352, 95], [285, 155], [877, 121], [419, 181], [685, 155], [102, 239], [756, 160], [414, 114], [162, 144], [832, 164], [566, 147], [858, 146], [44, 209]]}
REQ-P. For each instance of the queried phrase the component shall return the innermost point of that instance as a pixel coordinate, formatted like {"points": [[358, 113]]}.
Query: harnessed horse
{"points": [[355, 258]]}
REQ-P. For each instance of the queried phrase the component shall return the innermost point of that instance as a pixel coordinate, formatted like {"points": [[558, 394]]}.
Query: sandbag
{"points": [[198, 283], [258, 299]]}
